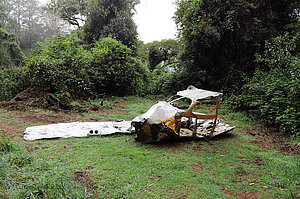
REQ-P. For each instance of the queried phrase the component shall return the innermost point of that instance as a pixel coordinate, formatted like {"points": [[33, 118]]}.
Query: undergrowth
{"points": [[23, 175]]}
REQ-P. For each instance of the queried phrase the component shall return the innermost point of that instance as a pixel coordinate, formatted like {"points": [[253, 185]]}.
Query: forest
{"points": [[67, 54]]}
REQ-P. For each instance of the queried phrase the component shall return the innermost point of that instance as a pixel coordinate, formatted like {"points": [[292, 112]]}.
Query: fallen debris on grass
{"points": [[76, 129], [177, 118], [162, 118]]}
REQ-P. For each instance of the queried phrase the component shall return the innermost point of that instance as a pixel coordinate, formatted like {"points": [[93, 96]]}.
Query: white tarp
{"points": [[158, 113], [76, 129]]}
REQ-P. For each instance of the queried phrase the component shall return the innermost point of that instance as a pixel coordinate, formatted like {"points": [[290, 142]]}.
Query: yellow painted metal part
{"points": [[190, 114]]}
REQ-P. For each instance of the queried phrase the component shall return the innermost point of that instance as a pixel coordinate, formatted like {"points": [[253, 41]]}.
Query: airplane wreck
{"points": [[177, 118]]}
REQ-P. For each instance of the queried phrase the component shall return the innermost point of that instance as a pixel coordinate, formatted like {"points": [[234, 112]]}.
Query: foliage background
{"points": [[66, 65], [273, 93]]}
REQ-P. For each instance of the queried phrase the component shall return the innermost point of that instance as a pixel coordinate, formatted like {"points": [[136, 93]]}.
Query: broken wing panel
{"points": [[76, 129], [198, 94]]}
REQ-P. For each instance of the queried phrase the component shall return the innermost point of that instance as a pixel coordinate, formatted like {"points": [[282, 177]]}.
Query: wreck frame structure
{"points": [[165, 117]]}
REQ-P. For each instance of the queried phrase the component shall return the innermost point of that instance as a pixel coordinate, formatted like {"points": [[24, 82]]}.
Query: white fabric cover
{"points": [[158, 113]]}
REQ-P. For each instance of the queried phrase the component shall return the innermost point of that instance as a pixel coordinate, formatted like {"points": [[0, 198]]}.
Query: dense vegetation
{"points": [[224, 49], [273, 93], [66, 65], [220, 38], [10, 52], [248, 50]]}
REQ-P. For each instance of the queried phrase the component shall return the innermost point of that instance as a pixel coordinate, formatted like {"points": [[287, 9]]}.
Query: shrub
{"points": [[65, 65], [58, 66], [161, 81], [12, 81], [113, 69], [273, 93]]}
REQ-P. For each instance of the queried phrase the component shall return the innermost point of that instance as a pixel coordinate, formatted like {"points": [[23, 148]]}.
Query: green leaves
{"points": [[12, 81], [108, 18], [273, 93], [118, 72], [66, 65], [220, 38]]}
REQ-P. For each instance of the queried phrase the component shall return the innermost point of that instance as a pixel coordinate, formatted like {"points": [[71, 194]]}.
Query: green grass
{"points": [[118, 167]]}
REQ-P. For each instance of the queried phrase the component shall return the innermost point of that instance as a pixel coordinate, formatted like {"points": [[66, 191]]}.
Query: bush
{"points": [[58, 66], [65, 65], [12, 81], [113, 69], [161, 81], [273, 93]]}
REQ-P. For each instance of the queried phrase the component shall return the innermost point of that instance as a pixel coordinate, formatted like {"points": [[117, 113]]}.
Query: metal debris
{"points": [[162, 118], [166, 118], [76, 129]]}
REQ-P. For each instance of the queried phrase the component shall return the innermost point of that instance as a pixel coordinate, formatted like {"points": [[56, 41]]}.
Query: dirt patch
{"points": [[9, 129], [256, 160], [34, 97], [269, 139], [243, 195], [174, 151], [119, 108], [175, 193], [84, 178], [196, 167]]}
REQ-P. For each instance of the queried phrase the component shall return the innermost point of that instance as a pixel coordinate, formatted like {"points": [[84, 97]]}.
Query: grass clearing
{"points": [[230, 166]]}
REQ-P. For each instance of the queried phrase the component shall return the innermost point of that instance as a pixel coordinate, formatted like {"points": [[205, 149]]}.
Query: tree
{"points": [[10, 52], [29, 22], [273, 93], [52, 26], [72, 11], [220, 38], [111, 18], [161, 51], [99, 18], [5, 7]]}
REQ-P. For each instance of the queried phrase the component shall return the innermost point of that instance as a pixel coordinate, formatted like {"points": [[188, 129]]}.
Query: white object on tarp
{"points": [[158, 113], [76, 129]]}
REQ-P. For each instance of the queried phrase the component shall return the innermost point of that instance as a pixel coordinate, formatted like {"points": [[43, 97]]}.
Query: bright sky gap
{"points": [[154, 20]]}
